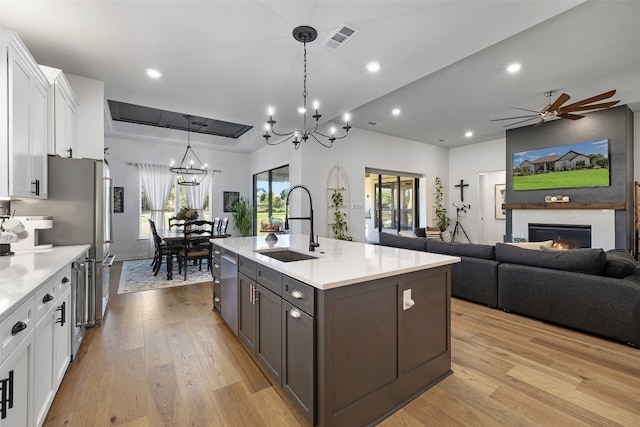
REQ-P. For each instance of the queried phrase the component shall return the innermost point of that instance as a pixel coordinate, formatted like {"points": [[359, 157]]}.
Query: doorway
{"points": [[391, 200]]}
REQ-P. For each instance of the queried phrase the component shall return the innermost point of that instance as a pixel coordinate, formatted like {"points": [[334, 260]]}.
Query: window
{"points": [[269, 196], [177, 198]]}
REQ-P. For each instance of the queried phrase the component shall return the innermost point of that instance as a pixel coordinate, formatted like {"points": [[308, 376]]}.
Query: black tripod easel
{"points": [[458, 227]]}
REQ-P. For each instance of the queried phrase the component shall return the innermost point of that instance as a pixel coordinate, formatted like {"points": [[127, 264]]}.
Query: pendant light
{"points": [[305, 34], [191, 171]]}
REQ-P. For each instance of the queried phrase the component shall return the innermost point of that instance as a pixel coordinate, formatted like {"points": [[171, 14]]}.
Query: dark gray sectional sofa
{"points": [[586, 289]]}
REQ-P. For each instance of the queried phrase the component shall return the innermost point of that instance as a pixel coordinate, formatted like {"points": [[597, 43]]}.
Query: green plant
{"points": [[187, 214], [441, 211], [106, 151], [339, 226], [243, 216]]}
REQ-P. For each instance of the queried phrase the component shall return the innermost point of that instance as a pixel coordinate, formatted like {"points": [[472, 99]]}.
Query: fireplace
{"points": [[564, 235]]}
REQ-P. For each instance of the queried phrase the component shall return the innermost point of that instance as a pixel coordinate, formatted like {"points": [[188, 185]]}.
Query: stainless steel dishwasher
{"points": [[229, 290]]}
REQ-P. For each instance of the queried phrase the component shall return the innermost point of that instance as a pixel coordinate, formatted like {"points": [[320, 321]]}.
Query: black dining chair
{"points": [[161, 249], [196, 245], [175, 222]]}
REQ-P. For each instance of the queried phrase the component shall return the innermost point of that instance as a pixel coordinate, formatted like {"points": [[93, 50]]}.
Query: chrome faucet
{"points": [[312, 244]]}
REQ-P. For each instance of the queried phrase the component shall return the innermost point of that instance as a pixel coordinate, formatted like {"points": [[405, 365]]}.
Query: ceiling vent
{"points": [[340, 36], [373, 123]]}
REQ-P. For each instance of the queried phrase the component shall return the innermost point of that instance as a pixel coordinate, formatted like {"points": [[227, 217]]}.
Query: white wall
{"points": [[89, 116], [467, 163], [362, 149], [235, 176]]}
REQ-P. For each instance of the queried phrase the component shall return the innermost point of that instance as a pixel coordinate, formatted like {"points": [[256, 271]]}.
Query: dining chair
{"points": [[195, 245], [223, 225], [175, 222], [216, 223], [161, 249]]}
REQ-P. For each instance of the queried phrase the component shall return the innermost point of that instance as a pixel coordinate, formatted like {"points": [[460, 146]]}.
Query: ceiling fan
{"points": [[557, 110]]}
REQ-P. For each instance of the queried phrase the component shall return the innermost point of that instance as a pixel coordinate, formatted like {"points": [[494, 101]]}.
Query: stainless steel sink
{"points": [[285, 255]]}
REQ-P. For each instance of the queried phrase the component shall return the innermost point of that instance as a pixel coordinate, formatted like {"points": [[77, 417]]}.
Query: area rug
{"points": [[138, 276]]}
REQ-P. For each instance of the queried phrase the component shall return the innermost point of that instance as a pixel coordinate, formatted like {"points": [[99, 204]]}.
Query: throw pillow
{"points": [[620, 264], [419, 231], [407, 234]]}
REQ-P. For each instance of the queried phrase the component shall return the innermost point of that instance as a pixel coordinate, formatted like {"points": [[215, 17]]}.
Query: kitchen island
{"points": [[351, 334]]}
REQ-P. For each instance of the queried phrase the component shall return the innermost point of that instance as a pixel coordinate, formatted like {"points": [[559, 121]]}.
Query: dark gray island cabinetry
{"points": [[351, 335]]}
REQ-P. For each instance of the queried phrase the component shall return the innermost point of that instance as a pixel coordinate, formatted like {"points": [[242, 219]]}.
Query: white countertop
{"points": [[339, 263], [23, 273]]}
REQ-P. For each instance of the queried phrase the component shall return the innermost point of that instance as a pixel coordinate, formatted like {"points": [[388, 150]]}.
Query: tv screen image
{"points": [[584, 164]]}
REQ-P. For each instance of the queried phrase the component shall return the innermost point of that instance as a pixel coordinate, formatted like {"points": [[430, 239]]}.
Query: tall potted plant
{"points": [[441, 212], [243, 216], [339, 226]]}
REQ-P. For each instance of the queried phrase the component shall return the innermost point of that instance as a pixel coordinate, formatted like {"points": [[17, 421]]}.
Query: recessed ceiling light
{"points": [[396, 111], [468, 134], [514, 68], [153, 73], [373, 66]]}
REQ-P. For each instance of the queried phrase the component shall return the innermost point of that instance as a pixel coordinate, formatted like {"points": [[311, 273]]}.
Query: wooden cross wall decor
{"points": [[461, 185]]}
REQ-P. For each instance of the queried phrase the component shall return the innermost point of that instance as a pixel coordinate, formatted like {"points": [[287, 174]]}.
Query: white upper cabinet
{"points": [[23, 121], [63, 105]]}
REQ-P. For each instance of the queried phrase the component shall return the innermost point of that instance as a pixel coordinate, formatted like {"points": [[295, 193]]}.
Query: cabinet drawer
{"points": [[51, 291], [247, 267], [270, 279], [217, 252], [216, 297], [15, 327], [299, 294]]}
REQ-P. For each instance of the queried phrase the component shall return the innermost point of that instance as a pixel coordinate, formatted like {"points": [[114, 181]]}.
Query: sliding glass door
{"points": [[394, 203]]}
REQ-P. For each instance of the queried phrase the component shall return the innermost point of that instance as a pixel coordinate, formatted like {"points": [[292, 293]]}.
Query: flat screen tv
{"points": [[585, 164]]}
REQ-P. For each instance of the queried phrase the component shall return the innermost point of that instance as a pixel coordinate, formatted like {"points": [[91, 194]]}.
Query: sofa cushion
{"points": [[589, 261], [532, 245], [472, 250], [619, 264], [393, 240]]}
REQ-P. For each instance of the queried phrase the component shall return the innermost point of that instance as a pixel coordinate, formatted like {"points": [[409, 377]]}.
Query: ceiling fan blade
{"points": [[558, 102], [590, 100], [517, 117], [526, 109], [589, 107], [521, 121], [570, 116]]}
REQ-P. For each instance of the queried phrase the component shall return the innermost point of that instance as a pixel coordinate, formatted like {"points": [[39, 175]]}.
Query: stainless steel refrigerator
{"points": [[81, 203]]}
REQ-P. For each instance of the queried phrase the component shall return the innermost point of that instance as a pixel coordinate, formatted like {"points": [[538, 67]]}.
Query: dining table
{"points": [[174, 237]]}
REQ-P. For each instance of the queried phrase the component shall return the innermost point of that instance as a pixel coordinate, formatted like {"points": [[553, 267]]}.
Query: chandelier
{"points": [[305, 34], [191, 171]]}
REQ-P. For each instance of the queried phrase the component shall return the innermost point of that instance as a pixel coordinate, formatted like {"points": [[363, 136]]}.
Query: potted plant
{"points": [[243, 216], [339, 226], [441, 212]]}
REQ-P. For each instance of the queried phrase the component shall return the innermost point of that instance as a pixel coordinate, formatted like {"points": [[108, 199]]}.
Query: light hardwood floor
{"points": [[163, 358]]}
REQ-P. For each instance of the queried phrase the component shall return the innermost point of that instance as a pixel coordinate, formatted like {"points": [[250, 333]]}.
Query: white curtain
{"points": [[156, 181], [197, 195]]}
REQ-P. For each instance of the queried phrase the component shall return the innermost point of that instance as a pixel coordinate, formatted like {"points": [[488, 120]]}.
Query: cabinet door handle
{"points": [[36, 184], [297, 294], [63, 313], [70, 151], [216, 265], [216, 299], [65, 279], [47, 298], [6, 385], [18, 327], [216, 252], [217, 282], [295, 313]]}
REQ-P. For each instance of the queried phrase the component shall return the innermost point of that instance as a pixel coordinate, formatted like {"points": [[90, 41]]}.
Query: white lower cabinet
{"points": [[35, 352], [16, 394], [52, 353]]}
